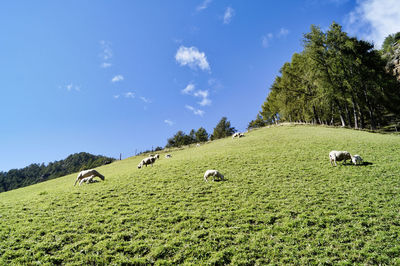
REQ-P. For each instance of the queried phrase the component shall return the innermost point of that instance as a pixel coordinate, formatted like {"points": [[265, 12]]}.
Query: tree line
{"points": [[222, 129], [335, 80], [35, 173]]}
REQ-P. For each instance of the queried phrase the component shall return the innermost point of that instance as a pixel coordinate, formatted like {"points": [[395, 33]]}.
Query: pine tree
{"points": [[223, 129]]}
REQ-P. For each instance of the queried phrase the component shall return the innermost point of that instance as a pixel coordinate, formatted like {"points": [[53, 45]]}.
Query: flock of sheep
{"points": [[87, 176]]}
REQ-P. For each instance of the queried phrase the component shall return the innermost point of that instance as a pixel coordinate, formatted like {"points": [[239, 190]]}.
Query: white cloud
{"points": [[204, 95], [116, 96], [168, 122], [117, 78], [283, 32], [105, 65], [215, 84], [188, 89], [194, 110], [72, 87], [145, 99], [229, 13], [201, 93], [129, 95], [192, 57], [106, 52], [373, 20], [203, 5], [266, 39]]}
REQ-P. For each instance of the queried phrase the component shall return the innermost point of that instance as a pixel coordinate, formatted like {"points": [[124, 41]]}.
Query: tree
{"points": [[36, 173], [337, 80], [258, 122], [201, 135], [223, 129]]}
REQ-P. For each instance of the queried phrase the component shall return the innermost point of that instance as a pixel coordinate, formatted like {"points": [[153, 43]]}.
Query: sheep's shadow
{"points": [[362, 164], [365, 164], [219, 180]]}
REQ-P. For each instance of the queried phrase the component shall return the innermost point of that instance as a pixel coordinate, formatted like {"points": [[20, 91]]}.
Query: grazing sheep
{"points": [[88, 173], [157, 156], [88, 180], [168, 155], [356, 159], [213, 173], [237, 135], [146, 161], [339, 156], [198, 145]]}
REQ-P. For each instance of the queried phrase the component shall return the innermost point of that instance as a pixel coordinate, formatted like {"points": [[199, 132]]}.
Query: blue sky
{"points": [[111, 77]]}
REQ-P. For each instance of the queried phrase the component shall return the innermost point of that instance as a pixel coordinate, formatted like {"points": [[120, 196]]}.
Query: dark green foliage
{"points": [[158, 148], [35, 173], [258, 122], [389, 42], [223, 129], [201, 135], [336, 80], [181, 139]]}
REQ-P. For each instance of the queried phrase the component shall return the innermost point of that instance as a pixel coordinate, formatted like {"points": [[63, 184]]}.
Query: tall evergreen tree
{"points": [[223, 129], [201, 135], [336, 79]]}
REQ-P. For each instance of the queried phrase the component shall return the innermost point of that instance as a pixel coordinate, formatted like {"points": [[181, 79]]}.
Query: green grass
{"points": [[282, 203]]}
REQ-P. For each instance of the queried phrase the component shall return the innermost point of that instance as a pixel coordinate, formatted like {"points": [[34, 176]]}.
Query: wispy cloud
{"points": [[117, 78], [188, 89], [203, 5], [194, 110], [228, 15], [169, 122], [129, 95], [204, 95], [192, 57], [71, 87], [215, 84], [373, 20], [265, 40], [106, 52], [116, 96], [283, 32], [105, 65], [145, 99]]}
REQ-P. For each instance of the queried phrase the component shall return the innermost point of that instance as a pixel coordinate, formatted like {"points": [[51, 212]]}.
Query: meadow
{"points": [[281, 203]]}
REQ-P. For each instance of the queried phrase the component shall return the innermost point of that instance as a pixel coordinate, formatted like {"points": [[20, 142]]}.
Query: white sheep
{"points": [[198, 145], [339, 156], [88, 180], [146, 161], [356, 159], [213, 173], [168, 155], [237, 135], [88, 173]]}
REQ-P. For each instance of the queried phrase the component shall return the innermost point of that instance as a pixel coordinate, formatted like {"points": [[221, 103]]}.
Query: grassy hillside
{"points": [[282, 202]]}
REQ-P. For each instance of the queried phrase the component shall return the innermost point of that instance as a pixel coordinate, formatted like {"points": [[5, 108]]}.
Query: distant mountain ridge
{"points": [[35, 173]]}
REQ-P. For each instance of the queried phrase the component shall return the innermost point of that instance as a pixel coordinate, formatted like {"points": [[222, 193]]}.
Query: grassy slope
{"points": [[282, 203]]}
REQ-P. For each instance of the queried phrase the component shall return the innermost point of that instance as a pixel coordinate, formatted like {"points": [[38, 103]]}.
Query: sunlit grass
{"points": [[282, 202]]}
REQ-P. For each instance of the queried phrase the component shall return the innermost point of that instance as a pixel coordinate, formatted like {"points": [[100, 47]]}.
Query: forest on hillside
{"points": [[337, 80], [35, 173]]}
